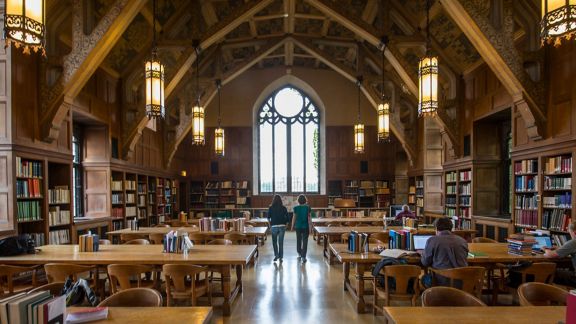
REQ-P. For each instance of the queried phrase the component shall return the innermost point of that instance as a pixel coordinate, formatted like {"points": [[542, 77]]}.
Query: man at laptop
{"points": [[444, 251], [567, 278], [405, 213]]}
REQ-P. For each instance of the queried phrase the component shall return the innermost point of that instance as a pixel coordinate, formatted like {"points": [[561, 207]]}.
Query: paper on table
{"points": [[87, 315], [394, 253]]}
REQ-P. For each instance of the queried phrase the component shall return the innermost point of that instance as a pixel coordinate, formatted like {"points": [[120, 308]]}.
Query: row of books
{"points": [[57, 216], [28, 169], [401, 239], [558, 164], [28, 188], [59, 195], [450, 211], [556, 219], [561, 200], [39, 307], [526, 166], [450, 200], [209, 224], [465, 212], [117, 198], [141, 188], [59, 236], [39, 239], [526, 202], [29, 210], [130, 185], [131, 211], [451, 189], [466, 175], [526, 183], [88, 242], [526, 217], [465, 200], [465, 189], [557, 183], [116, 185], [141, 201], [117, 212], [358, 242], [463, 223], [130, 198], [177, 242], [451, 176]]}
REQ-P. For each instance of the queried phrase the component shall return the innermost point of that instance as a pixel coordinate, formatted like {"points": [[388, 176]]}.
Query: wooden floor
{"points": [[293, 292]]}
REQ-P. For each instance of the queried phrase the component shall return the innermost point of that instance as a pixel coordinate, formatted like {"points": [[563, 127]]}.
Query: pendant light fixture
{"points": [[154, 74], [219, 131], [24, 25], [558, 21], [198, 137], [428, 76], [359, 127], [383, 110]]}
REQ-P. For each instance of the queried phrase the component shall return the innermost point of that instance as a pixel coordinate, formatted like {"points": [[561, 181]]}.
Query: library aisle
{"points": [[293, 292]]}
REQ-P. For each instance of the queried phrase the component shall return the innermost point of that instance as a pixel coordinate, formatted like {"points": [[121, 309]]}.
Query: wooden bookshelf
{"points": [[30, 203], [334, 191], [526, 194], [458, 195], [142, 200], [196, 199], [59, 203], [556, 192], [152, 201], [419, 184]]}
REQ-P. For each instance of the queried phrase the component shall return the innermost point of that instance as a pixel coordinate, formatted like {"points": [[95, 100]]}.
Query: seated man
{"points": [[405, 213], [564, 277], [444, 251]]}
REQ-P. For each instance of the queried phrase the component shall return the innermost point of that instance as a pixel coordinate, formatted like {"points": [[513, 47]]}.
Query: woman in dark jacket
{"points": [[278, 218]]}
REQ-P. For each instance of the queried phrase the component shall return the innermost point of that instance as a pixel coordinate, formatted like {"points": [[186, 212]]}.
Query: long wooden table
{"points": [[253, 232], [220, 257], [473, 315], [153, 315], [340, 220], [495, 253]]}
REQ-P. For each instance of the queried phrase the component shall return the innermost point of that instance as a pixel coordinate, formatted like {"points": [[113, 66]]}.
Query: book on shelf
{"points": [[526, 166], [28, 169], [558, 164], [58, 216], [59, 195], [28, 188]]}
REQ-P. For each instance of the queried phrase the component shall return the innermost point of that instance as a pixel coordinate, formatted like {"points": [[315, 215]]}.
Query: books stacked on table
{"points": [[401, 239], [88, 243], [520, 244], [177, 242], [39, 307], [358, 242]]}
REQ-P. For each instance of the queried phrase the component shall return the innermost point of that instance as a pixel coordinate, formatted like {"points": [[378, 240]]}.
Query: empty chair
{"points": [[199, 238], [55, 288], [236, 238], [7, 274], [59, 272], [448, 296], [468, 279], [183, 281], [483, 240], [130, 237], [137, 242], [126, 276], [104, 242], [134, 297], [381, 236], [157, 238], [220, 242], [538, 272], [541, 294], [406, 285]]}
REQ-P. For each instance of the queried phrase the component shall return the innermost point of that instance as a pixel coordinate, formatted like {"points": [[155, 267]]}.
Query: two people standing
{"points": [[278, 218]]}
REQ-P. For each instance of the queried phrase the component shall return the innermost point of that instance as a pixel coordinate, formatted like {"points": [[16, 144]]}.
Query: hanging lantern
{"points": [[558, 21], [359, 138], [219, 141], [24, 25], [198, 125], [383, 121], [428, 85], [154, 73]]}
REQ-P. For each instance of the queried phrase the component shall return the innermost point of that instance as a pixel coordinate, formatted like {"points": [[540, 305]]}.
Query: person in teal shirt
{"points": [[302, 224]]}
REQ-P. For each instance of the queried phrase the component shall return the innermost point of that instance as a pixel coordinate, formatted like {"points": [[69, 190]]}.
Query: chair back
{"points": [[541, 294], [236, 238], [134, 297], [177, 283], [104, 242], [448, 296], [470, 278], [137, 242], [59, 272], [402, 275], [55, 288], [7, 274], [220, 242], [156, 238], [130, 237], [121, 275], [381, 236], [483, 240], [162, 225], [539, 272], [199, 238]]}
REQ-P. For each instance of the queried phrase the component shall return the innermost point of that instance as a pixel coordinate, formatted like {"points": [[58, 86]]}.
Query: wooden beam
{"points": [[509, 71]]}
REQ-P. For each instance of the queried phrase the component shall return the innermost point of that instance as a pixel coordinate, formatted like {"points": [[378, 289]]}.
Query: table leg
{"points": [[325, 244], [360, 304], [226, 290], [346, 271], [239, 277]]}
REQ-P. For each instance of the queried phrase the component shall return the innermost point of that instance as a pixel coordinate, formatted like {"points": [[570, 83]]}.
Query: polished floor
{"points": [[292, 292]]}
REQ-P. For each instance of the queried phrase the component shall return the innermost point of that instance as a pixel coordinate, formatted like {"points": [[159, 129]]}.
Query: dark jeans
{"points": [[302, 241], [278, 240]]}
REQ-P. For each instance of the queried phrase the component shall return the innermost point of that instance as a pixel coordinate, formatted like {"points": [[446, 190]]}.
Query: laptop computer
{"points": [[542, 242], [420, 241]]}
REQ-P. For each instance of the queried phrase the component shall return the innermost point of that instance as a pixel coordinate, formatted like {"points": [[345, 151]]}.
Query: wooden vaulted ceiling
{"points": [[238, 35]]}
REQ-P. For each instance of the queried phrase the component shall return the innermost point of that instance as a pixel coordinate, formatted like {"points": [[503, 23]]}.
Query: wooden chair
{"points": [[199, 238], [162, 225], [137, 242], [220, 242], [468, 279], [126, 276], [104, 242], [542, 272], [156, 238], [7, 283], [541, 294], [134, 297], [236, 238], [59, 272], [55, 288], [407, 285], [179, 287], [448, 296], [381, 236], [483, 240], [130, 237]]}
